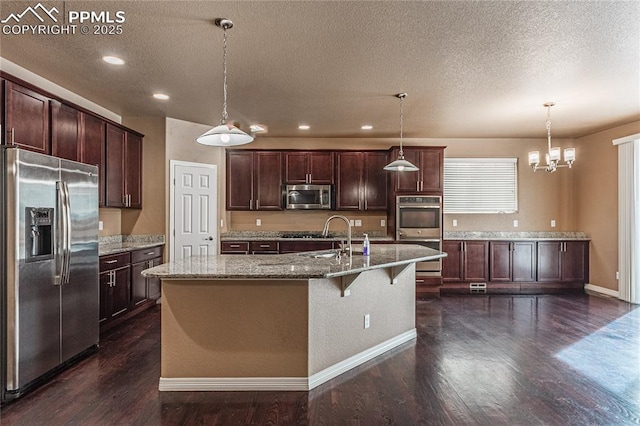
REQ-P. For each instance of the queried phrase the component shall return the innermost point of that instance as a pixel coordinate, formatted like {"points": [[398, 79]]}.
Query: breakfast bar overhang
{"points": [[283, 322]]}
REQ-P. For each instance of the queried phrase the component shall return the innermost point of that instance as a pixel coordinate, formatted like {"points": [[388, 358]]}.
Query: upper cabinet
{"points": [[26, 120], [254, 180], [429, 179], [65, 131], [361, 182], [92, 148], [308, 167], [123, 168]]}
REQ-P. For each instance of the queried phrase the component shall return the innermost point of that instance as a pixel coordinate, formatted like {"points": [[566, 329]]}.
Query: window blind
{"points": [[480, 185]]}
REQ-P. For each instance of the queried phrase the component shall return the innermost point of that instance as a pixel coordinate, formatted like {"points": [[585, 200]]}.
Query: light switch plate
{"points": [[383, 223], [553, 223], [515, 223], [100, 225], [258, 222], [358, 222], [352, 222], [455, 222]]}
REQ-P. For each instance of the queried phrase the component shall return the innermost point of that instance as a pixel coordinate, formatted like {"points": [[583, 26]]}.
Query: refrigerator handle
{"points": [[67, 236], [64, 228]]}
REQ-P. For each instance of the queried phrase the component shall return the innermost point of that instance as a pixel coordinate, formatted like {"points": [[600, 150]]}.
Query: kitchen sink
{"points": [[325, 254]]}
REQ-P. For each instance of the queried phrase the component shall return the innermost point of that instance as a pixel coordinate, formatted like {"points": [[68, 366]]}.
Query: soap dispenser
{"points": [[365, 245]]}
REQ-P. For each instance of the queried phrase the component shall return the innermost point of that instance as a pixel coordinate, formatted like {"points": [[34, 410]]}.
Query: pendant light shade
{"points": [[401, 165], [225, 134]]}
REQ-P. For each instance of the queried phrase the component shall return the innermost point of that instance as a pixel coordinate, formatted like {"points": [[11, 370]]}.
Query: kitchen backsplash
{"points": [[305, 221]]}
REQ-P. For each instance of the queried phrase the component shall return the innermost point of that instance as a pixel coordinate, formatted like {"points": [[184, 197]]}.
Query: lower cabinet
{"points": [[115, 285], [123, 289], [515, 266], [298, 246], [143, 288]]}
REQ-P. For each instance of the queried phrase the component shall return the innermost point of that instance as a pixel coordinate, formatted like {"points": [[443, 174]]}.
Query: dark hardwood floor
{"points": [[485, 360]]}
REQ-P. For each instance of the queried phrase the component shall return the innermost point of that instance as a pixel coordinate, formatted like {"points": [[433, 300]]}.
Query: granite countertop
{"points": [[515, 236], [292, 266], [115, 244], [278, 236]]}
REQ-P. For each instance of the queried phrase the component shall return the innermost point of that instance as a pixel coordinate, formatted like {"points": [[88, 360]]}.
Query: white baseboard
{"points": [[364, 356], [189, 384], [602, 290]]}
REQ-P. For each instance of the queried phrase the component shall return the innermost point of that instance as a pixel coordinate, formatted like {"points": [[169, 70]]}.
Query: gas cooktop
{"points": [[305, 235]]}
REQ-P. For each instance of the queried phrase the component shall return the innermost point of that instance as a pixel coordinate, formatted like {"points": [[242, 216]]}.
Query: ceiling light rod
{"points": [[401, 165], [224, 134], [553, 154]]}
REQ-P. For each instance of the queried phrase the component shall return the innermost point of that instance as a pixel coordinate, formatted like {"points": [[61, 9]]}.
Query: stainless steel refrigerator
{"points": [[49, 266]]}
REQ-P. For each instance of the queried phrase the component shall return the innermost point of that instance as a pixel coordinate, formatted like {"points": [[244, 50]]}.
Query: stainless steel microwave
{"points": [[307, 197]]}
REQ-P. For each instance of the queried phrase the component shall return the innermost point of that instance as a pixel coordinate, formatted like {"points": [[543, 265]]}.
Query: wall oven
{"points": [[419, 221], [418, 217]]}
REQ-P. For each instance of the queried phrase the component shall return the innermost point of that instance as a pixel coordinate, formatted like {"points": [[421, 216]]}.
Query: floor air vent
{"points": [[478, 287]]}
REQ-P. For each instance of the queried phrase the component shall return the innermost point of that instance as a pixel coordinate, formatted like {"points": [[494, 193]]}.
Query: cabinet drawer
{"points": [[264, 246], [114, 261], [235, 247], [145, 254]]}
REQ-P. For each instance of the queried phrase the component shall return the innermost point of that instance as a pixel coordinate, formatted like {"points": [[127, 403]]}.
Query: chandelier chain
{"points": [[401, 124], [548, 123], [225, 115]]}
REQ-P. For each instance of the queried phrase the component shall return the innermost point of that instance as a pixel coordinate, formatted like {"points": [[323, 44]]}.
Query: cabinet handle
{"points": [[110, 261], [417, 185], [421, 185], [366, 205], [234, 245], [13, 135], [257, 204], [419, 281], [264, 246], [150, 253]]}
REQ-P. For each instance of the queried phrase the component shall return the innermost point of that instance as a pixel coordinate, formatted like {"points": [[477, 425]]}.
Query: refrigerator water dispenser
{"points": [[39, 231]]}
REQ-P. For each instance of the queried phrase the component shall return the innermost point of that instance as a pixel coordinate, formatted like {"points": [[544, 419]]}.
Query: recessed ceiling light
{"points": [[114, 60], [258, 128], [367, 127], [161, 96], [304, 127]]}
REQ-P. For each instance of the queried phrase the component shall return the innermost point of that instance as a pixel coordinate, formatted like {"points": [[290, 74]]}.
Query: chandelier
{"points": [[400, 165], [553, 154], [225, 134]]}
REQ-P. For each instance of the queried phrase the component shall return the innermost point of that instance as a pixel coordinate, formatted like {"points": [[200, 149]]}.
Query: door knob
{"points": [[210, 238]]}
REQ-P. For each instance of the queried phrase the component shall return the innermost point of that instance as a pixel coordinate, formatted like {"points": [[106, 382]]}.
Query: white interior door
{"points": [[194, 210]]}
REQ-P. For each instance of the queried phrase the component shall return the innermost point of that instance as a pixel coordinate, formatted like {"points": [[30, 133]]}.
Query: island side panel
{"points": [[336, 324], [234, 328]]}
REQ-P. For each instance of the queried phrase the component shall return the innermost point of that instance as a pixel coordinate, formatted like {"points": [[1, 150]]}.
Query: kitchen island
{"points": [[283, 322]]}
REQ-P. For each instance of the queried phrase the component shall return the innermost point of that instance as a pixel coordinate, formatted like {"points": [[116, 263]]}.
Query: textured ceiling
{"points": [[471, 69]]}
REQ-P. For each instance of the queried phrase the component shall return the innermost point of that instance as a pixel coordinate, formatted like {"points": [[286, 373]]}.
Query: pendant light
{"points": [[553, 154], [401, 165], [225, 134]]}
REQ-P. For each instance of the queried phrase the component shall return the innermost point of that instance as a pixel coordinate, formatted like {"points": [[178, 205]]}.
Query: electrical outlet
{"points": [[455, 222], [617, 275], [352, 222], [221, 223], [383, 223], [515, 223], [367, 321], [347, 293], [100, 225], [258, 222], [358, 222], [553, 223]]}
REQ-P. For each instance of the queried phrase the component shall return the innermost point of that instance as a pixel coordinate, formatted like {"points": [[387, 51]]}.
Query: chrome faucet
{"points": [[325, 231]]}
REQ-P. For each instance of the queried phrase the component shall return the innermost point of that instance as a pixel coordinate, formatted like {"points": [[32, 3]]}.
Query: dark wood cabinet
{"points": [[92, 148], [465, 261], [65, 131], [512, 261], [361, 182], [144, 288], [300, 246], [308, 167], [234, 247], [26, 120], [429, 179], [254, 180], [563, 261], [264, 247], [123, 168], [115, 285]]}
